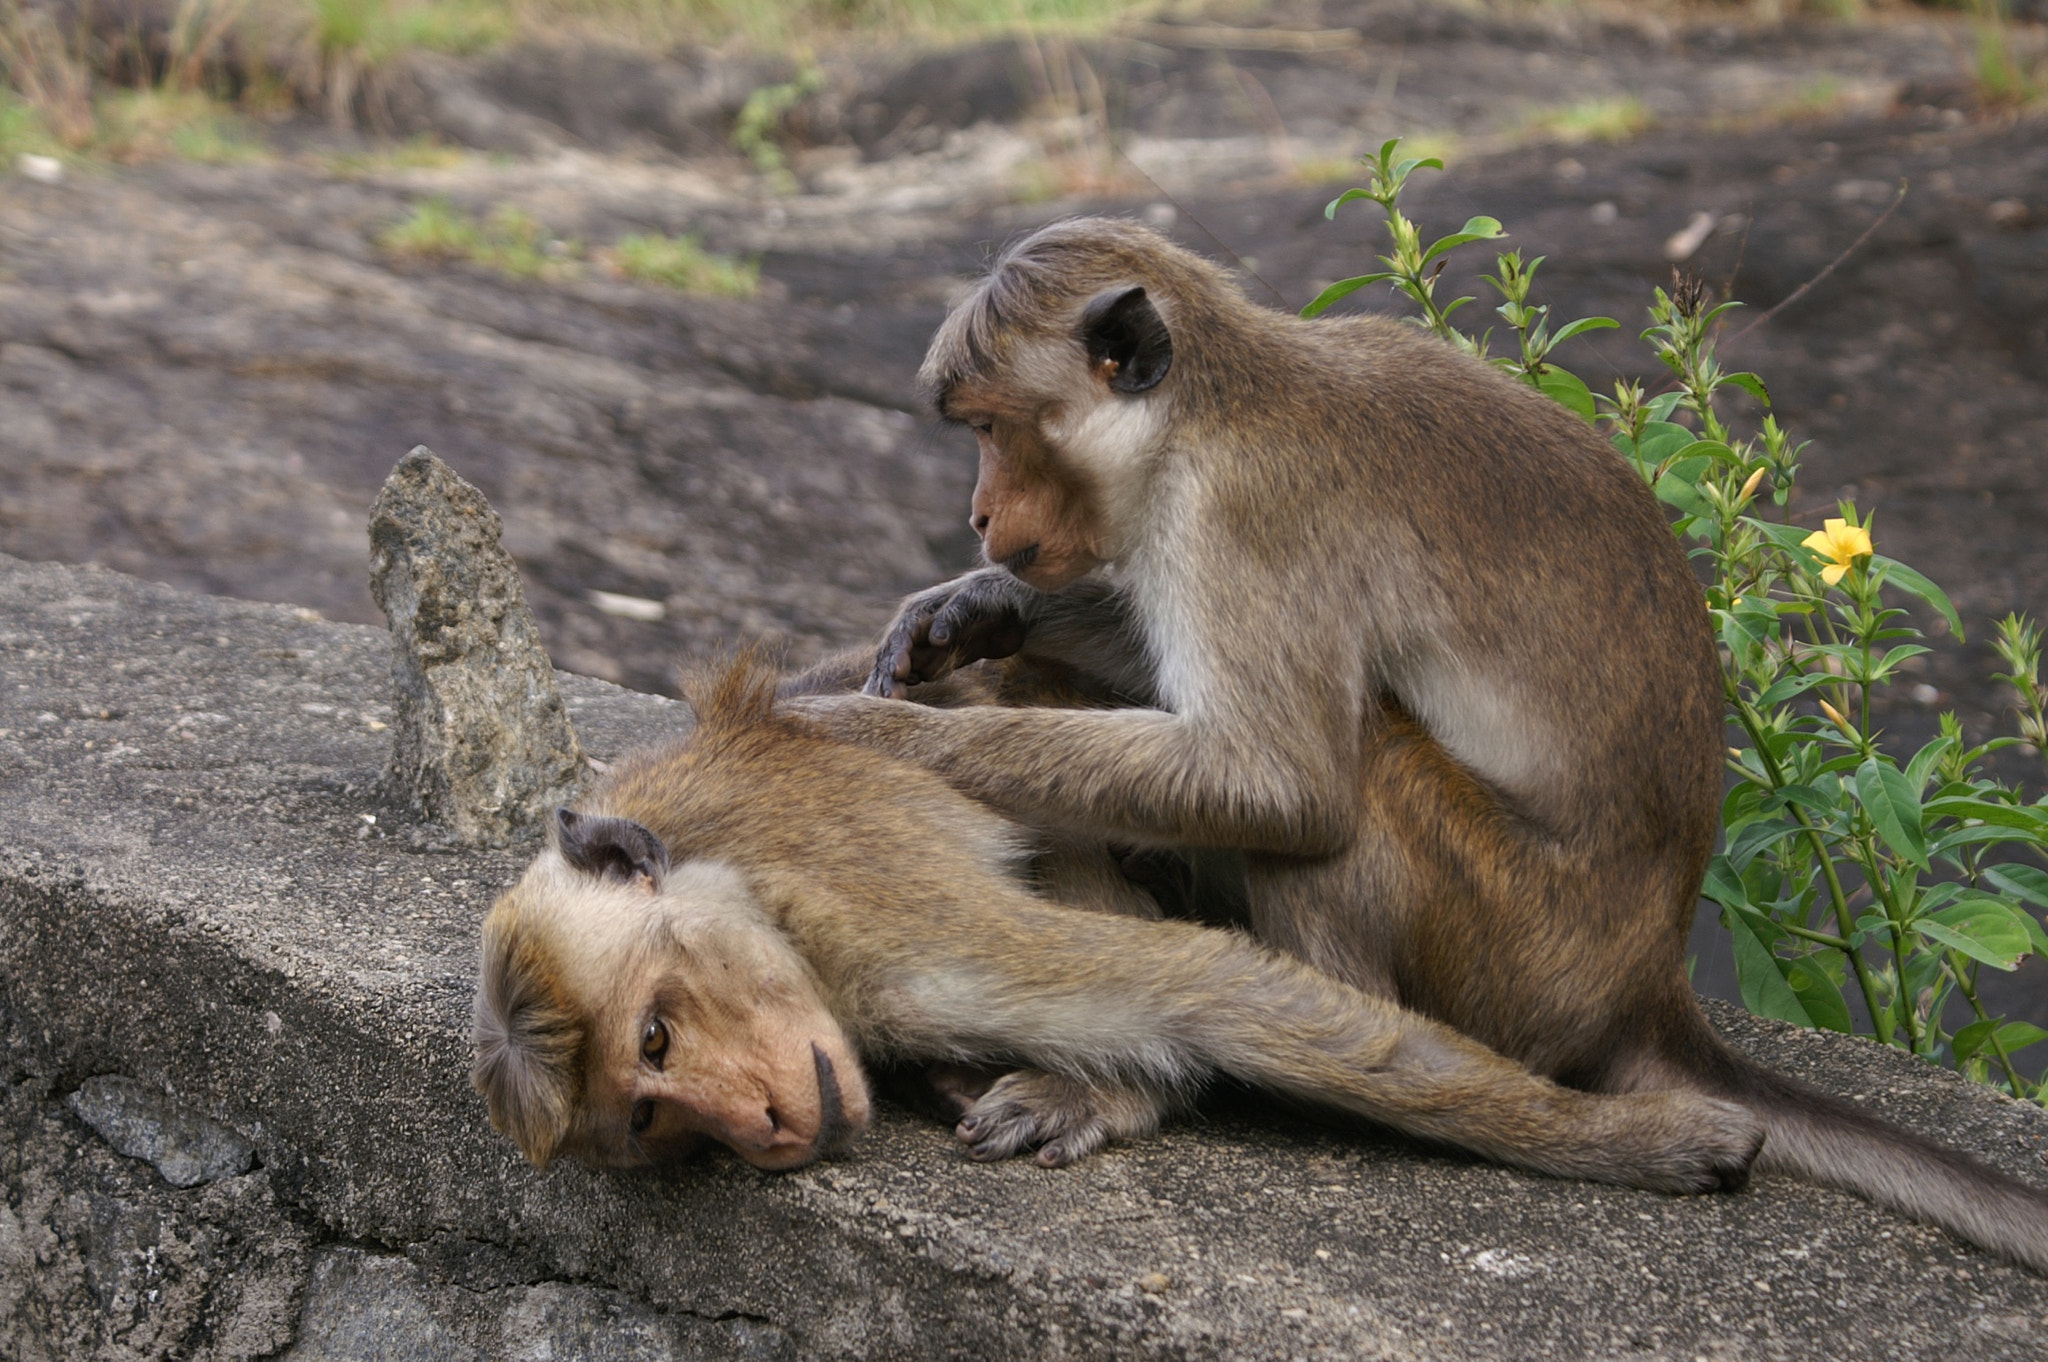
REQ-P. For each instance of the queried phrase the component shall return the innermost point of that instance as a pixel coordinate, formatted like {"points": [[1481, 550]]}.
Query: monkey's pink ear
{"points": [[613, 848], [1125, 334]]}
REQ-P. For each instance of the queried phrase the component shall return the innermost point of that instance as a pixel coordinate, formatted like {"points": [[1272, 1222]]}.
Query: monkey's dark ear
{"points": [[615, 848], [1124, 332]]}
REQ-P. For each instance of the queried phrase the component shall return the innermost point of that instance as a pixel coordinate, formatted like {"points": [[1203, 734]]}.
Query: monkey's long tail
{"points": [[1824, 1139]]}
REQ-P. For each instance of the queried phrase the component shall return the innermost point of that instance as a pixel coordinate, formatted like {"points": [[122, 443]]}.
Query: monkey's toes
{"points": [[996, 1132], [1719, 1143], [1026, 1109]]}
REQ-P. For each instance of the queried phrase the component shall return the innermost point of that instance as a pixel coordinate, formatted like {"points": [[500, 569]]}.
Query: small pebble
{"points": [[2008, 213]]}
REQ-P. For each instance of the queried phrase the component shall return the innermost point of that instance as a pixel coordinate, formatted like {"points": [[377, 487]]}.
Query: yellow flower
{"points": [[1749, 487], [1841, 544]]}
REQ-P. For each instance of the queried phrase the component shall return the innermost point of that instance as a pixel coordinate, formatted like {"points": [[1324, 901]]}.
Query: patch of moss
{"points": [[682, 263]]}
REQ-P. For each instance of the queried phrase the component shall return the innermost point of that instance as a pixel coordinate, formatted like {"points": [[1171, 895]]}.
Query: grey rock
{"points": [[101, 1259], [142, 1123], [366, 1307], [480, 741]]}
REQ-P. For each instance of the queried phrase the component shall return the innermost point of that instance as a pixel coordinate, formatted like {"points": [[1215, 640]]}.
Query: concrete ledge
{"points": [[193, 895]]}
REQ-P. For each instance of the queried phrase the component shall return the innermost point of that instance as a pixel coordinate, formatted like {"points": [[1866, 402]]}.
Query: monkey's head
{"points": [[1059, 361], [630, 1009]]}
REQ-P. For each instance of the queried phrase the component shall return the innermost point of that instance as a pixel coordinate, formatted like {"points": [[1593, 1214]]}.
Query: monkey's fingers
{"points": [[906, 656], [1064, 1118], [938, 631]]}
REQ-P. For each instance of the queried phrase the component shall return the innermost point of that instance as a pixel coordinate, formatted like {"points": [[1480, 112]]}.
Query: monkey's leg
{"points": [[1086, 875], [1163, 1004]]}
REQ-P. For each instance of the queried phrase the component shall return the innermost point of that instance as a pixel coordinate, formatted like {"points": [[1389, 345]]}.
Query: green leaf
{"points": [[1567, 390], [1475, 229], [1785, 687], [2014, 1036], [1348, 196], [1341, 289], [1662, 405], [2021, 881], [1970, 836], [1786, 537], [1750, 384], [1981, 928], [2024, 817], [1678, 489], [1817, 993], [1581, 326], [1764, 990], [1803, 795], [1746, 843], [1913, 584], [1714, 451], [1659, 440], [1894, 805], [1723, 885], [1924, 761]]}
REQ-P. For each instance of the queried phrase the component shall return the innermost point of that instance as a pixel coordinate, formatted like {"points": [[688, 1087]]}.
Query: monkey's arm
{"points": [[1142, 776], [1123, 1015]]}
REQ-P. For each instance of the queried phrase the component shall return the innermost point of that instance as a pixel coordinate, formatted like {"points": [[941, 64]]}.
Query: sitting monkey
{"points": [[1403, 634], [716, 941]]}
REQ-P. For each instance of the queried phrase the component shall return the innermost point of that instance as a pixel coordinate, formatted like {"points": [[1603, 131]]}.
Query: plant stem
{"points": [[1969, 992], [1752, 725]]}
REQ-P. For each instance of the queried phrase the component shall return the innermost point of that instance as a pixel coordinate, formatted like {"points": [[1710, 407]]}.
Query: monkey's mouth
{"points": [[1020, 560], [835, 1129]]}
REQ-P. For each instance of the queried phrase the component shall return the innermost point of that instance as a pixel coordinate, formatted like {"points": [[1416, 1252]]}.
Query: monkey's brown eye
{"points": [[642, 1117], [654, 1043]]}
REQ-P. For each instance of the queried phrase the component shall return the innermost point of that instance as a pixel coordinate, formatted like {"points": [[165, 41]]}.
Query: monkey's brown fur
{"points": [[1402, 629], [822, 903]]}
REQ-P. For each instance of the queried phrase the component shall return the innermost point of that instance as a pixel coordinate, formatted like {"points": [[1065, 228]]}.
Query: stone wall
{"points": [[234, 1000]]}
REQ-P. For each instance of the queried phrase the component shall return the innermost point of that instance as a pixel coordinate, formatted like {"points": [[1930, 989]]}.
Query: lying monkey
{"points": [[716, 941]]}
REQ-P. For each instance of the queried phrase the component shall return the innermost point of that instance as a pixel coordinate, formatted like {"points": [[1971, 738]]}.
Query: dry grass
{"points": [[511, 241], [82, 93]]}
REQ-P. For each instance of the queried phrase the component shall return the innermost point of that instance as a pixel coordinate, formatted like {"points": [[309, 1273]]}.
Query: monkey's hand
{"points": [[955, 623], [1063, 1118]]}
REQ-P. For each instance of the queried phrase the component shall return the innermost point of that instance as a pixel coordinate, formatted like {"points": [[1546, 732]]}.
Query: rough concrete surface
{"points": [[200, 892]]}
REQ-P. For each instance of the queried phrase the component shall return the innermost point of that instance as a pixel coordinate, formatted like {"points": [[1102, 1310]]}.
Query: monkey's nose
{"points": [[980, 524]]}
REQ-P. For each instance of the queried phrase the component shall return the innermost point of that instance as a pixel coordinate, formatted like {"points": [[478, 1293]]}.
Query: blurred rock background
{"points": [[655, 274]]}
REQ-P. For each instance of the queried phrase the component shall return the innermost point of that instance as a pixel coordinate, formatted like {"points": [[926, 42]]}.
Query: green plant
{"points": [[142, 125], [507, 240], [1593, 120], [2007, 61], [1843, 868], [757, 129], [682, 263]]}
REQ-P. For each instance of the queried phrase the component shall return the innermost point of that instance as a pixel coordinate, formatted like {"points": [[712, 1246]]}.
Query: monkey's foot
{"points": [[1063, 1118], [1685, 1142]]}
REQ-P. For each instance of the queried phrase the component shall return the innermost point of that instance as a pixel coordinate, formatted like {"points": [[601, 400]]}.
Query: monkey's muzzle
{"points": [[835, 1129]]}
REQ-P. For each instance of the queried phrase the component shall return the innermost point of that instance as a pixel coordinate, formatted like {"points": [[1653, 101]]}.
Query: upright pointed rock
{"points": [[481, 742]]}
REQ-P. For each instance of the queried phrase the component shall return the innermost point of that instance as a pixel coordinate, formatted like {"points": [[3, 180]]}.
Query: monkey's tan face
{"points": [[699, 1020], [1036, 516], [722, 1035]]}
